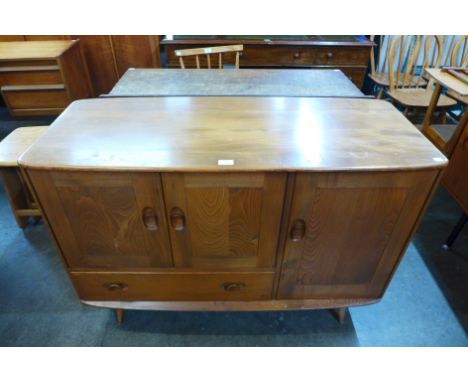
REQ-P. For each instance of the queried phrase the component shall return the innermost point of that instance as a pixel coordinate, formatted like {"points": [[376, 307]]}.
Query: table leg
{"points": [[16, 194], [456, 230], [339, 314], [431, 108]]}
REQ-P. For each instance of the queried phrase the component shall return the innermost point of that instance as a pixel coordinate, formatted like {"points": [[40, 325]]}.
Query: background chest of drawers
{"points": [[42, 77], [350, 54]]}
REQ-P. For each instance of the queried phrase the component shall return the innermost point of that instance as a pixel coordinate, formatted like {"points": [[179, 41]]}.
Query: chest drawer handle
{"points": [[298, 230], [150, 219], [296, 55], [177, 219], [115, 287], [329, 55], [233, 287]]}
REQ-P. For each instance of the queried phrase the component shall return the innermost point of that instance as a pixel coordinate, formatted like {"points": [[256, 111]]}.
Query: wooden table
{"points": [[454, 145], [245, 82], [232, 203]]}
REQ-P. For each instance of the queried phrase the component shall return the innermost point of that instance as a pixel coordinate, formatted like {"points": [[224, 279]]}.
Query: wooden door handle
{"points": [[150, 219], [233, 287], [115, 287], [177, 219], [298, 230]]}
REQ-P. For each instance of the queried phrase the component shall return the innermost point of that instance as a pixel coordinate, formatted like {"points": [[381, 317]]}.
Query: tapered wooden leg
{"points": [[119, 315], [380, 93], [339, 314]]}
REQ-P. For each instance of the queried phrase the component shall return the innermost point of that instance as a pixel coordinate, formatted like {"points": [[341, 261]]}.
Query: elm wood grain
{"points": [[338, 257], [256, 133], [98, 218], [245, 82], [238, 306], [230, 220], [174, 286], [18, 192]]}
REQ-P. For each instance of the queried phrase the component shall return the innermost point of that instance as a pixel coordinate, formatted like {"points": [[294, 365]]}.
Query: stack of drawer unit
{"points": [[42, 77]]}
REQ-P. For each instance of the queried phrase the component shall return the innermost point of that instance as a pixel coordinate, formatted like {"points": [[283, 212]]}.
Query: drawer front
{"points": [[36, 99], [303, 56], [30, 77], [283, 56], [174, 286]]}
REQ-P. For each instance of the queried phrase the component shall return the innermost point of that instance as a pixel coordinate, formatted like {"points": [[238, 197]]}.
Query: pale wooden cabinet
{"points": [[232, 203]]}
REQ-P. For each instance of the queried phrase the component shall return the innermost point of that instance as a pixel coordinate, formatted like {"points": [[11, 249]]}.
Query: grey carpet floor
{"points": [[426, 304]]}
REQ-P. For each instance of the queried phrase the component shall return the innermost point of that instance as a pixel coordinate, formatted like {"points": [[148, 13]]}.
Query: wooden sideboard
{"points": [[232, 203], [108, 57], [42, 77], [350, 54]]}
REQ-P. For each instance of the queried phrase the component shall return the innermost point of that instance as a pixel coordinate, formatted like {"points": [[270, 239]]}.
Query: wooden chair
{"points": [[379, 70], [458, 55], [404, 58], [218, 50]]}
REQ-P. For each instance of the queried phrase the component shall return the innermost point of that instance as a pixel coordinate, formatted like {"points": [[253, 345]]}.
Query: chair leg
{"points": [[456, 230], [339, 314], [405, 112], [380, 93], [119, 315]]}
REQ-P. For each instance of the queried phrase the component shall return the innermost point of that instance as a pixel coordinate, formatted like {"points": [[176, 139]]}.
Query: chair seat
{"points": [[419, 98], [382, 80], [458, 97]]}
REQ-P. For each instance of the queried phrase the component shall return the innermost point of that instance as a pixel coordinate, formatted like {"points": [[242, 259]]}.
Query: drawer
{"points": [[30, 75], [303, 56], [283, 56], [30, 97], [173, 286]]}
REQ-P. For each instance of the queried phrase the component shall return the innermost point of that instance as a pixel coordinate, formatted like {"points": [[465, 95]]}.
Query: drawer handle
{"points": [[298, 230], [233, 287], [329, 55], [150, 219], [177, 219], [115, 287], [296, 55]]}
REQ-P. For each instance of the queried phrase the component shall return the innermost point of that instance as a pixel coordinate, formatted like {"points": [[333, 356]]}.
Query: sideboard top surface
{"points": [[232, 134], [28, 50]]}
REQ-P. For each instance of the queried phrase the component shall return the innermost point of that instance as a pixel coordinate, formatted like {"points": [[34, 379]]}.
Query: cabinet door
{"points": [[347, 232], [224, 220], [105, 220]]}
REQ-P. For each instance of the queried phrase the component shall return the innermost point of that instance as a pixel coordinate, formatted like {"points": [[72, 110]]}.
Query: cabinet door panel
{"points": [[106, 220], [347, 232], [229, 220]]}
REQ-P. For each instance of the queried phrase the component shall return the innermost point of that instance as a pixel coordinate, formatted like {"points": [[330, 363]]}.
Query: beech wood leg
{"points": [[380, 93], [456, 230], [15, 193], [339, 314], [119, 315]]}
